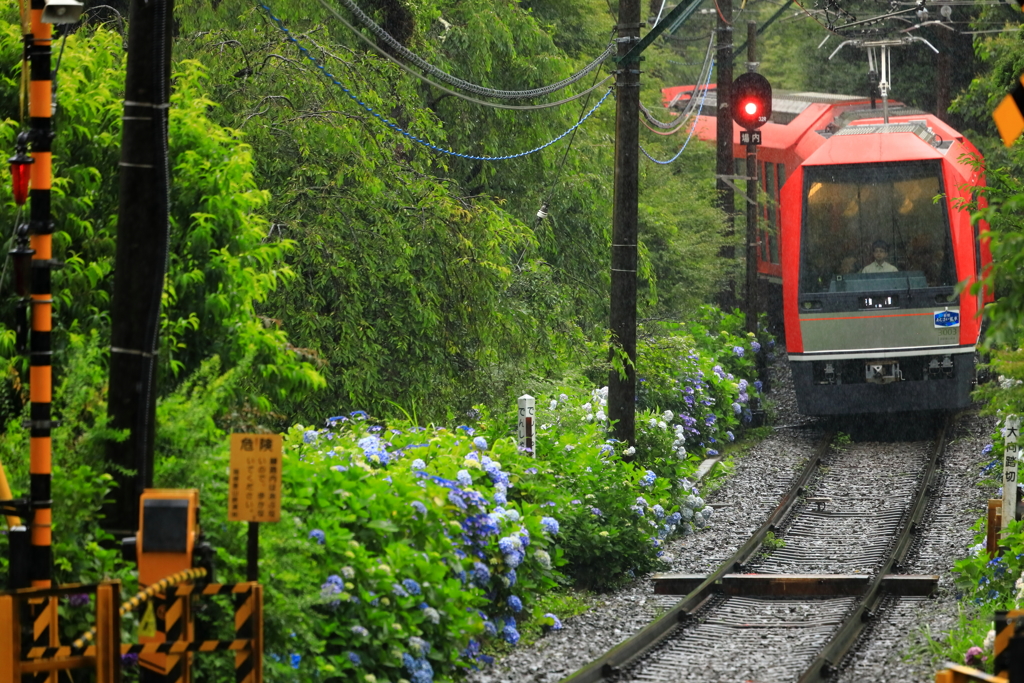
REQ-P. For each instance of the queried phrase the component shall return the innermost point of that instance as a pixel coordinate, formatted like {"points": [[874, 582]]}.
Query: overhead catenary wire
{"points": [[696, 118], [398, 129], [465, 85], [675, 123], [454, 93]]}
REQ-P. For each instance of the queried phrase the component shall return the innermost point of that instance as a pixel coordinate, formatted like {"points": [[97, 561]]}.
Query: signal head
{"points": [[751, 100]]}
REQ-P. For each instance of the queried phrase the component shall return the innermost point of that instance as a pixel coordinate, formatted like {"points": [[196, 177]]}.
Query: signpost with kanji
{"points": [[254, 492], [255, 487], [1011, 430]]}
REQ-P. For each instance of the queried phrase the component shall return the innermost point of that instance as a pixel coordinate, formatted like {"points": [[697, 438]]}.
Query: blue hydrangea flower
{"points": [[755, 346], [420, 507], [712, 452], [557, 625], [511, 577], [309, 436], [509, 544], [480, 442], [987, 449], [295, 659], [710, 420], [500, 498], [353, 657], [515, 604], [514, 559], [758, 385], [411, 586], [464, 478], [318, 534], [419, 647], [648, 479], [730, 436], [398, 591], [489, 628], [510, 634], [418, 464], [596, 512], [550, 524], [481, 574], [738, 351]]}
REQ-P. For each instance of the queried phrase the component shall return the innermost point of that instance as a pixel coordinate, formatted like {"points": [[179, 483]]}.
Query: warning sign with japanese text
{"points": [[254, 493]]}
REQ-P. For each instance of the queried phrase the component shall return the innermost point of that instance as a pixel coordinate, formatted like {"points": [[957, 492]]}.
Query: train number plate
{"points": [[947, 319]]}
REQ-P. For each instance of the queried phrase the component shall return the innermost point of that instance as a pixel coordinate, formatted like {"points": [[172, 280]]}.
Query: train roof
{"points": [[802, 121]]}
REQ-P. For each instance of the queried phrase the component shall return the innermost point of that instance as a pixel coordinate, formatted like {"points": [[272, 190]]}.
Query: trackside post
{"points": [[527, 413]]}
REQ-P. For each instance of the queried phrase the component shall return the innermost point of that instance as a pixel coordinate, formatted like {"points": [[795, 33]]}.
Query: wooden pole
{"points": [[622, 385]]}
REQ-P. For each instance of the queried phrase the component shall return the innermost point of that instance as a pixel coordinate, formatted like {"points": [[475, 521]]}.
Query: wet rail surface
{"points": [[852, 520]]}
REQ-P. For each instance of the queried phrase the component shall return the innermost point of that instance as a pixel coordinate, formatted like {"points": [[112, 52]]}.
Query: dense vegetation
{"points": [[323, 265]]}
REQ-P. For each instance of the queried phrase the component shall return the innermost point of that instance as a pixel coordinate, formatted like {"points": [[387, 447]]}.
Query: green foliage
{"points": [[220, 265]]}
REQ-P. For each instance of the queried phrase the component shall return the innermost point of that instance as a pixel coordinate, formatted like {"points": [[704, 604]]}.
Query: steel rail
{"points": [[826, 663], [613, 661]]}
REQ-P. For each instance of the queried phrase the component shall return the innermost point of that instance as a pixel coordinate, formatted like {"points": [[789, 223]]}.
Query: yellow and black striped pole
{"points": [[38, 42]]}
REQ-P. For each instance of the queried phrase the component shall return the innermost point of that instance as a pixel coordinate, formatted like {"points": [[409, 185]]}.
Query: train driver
{"points": [[880, 250]]}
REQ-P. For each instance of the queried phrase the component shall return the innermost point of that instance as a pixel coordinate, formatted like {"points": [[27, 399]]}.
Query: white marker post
{"points": [[1011, 430], [527, 411]]}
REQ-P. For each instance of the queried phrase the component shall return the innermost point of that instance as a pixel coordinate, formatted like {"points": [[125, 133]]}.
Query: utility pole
{"points": [[140, 262], [622, 386], [750, 307], [724, 165]]}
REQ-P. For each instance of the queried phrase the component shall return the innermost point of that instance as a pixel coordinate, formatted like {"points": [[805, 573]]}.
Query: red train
{"points": [[869, 243]]}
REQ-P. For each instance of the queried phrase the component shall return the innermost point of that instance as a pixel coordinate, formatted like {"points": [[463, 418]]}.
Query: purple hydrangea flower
{"points": [[756, 346], [78, 599], [738, 351]]}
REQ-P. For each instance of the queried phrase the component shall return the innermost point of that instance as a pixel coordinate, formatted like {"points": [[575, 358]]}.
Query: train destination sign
{"points": [[254, 492], [947, 319]]}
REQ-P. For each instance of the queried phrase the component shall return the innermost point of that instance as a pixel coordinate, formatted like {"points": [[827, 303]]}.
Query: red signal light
{"points": [[751, 100]]}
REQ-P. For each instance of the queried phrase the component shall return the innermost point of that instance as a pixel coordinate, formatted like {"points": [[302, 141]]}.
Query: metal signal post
{"points": [[750, 302]]}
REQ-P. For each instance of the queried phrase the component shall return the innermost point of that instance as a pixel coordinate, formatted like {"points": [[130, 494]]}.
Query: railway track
{"points": [[792, 612]]}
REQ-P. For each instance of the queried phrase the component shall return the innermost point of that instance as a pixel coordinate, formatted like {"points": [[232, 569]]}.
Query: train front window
{"points": [[875, 227]]}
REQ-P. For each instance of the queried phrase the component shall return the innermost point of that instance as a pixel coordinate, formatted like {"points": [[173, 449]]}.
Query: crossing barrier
{"points": [[168, 650]]}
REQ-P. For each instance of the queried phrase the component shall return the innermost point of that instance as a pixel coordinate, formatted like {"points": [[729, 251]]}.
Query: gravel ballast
{"points": [[742, 503]]}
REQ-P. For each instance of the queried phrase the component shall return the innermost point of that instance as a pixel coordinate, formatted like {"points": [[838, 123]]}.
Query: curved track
{"points": [[792, 613]]}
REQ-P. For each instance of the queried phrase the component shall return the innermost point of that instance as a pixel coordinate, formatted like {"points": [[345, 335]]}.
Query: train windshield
{"points": [[875, 227]]}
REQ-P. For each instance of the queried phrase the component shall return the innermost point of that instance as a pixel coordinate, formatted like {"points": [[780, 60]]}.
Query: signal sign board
{"points": [[750, 137], [1009, 115], [254, 492]]}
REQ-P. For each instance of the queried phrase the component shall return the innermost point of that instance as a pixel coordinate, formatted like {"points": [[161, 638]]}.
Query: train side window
{"points": [[768, 214], [775, 218]]}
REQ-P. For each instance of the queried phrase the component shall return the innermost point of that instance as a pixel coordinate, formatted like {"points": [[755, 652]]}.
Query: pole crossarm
{"points": [[679, 14]]}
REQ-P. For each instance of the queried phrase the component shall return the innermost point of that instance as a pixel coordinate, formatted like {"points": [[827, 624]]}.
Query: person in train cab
{"points": [[880, 250]]}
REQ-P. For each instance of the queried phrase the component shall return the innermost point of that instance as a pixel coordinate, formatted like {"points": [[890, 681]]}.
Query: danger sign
{"points": [[254, 492]]}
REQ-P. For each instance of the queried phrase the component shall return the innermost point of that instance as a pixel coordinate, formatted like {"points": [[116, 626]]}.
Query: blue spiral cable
{"points": [[696, 116], [398, 129]]}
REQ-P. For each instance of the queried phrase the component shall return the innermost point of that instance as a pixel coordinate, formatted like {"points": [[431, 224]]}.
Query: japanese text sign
{"points": [[254, 491]]}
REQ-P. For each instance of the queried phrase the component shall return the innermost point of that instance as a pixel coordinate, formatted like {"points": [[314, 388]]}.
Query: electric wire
{"points": [[658, 20], [675, 122], [398, 129], [688, 137], [465, 85], [423, 78]]}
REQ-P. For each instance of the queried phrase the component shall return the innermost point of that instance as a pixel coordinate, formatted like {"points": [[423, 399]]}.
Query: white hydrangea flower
{"points": [[553, 405], [667, 416], [631, 450]]}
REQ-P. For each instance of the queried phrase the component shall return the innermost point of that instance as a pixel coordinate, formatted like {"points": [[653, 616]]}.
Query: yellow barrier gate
{"points": [[100, 649], [1008, 655]]}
